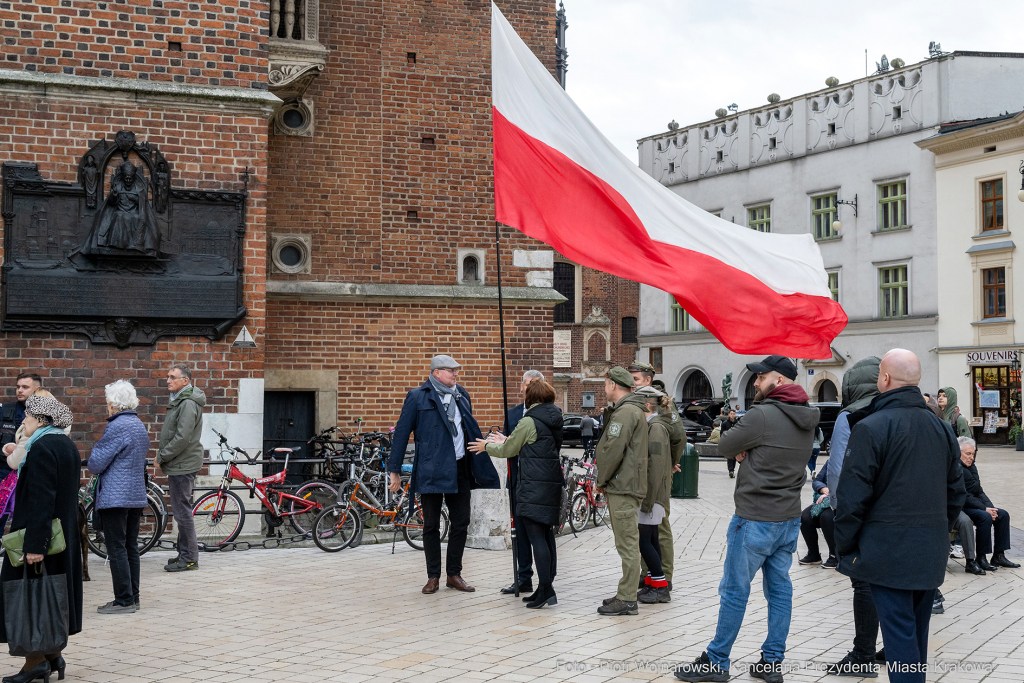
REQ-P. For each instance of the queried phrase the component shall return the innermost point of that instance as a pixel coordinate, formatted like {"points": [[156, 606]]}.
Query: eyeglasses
{"points": [[454, 371]]}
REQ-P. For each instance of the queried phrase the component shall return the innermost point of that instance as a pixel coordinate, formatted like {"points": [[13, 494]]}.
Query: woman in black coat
{"points": [[537, 440], [48, 481]]}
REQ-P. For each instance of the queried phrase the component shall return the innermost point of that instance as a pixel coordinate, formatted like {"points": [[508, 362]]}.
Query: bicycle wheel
{"points": [[150, 526], [219, 516], [413, 529], [319, 492], [94, 538], [579, 511], [600, 508], [335, 527]]}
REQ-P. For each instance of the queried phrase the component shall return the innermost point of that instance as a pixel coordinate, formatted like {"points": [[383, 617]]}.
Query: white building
{"points": [[977, 169], [793, 166]]}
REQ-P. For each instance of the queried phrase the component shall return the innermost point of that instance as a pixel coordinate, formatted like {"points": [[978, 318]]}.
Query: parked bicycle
{"points": [[151, 525], [220, 514], [339, 525], [586, 502]]}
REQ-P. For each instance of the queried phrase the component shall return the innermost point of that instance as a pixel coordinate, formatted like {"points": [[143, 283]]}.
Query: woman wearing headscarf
{"points": [[119, 458], [951, 412], [537, 440], [860, 387], [48, 478]]}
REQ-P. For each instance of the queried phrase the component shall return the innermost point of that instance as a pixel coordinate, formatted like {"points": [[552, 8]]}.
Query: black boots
{"points": [[545, 595]]}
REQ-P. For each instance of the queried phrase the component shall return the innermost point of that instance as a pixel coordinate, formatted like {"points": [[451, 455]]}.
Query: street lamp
{"points": [[837, 225], [1020, 193]]}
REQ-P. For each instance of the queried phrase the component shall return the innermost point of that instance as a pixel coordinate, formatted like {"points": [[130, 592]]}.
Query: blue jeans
{"points": [[768, 546]]}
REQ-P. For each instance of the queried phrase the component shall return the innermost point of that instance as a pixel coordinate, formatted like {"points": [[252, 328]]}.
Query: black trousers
{"points": [[458, 517], [731, 464], [650, 548], [121, 535], [588, 441], [865, 621], [983, 524], [903, 616], [524, 556], [826, 521], [542, 538]]}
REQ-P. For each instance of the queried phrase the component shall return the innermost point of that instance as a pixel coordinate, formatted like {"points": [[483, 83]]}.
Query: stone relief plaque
{"points": [[121, 256]]}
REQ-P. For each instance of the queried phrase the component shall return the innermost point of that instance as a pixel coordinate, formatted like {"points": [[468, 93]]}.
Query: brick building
{"points": [[361, 133]]}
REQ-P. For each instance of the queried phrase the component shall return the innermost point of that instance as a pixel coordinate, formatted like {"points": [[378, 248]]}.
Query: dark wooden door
{"points": [[289, 420]]}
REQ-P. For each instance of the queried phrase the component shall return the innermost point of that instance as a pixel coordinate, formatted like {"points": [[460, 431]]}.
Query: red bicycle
{"points": [[220, 514], [588, 502]]}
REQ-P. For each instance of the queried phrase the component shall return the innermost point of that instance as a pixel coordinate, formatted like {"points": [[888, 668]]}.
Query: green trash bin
{"points": [[684, 482]]}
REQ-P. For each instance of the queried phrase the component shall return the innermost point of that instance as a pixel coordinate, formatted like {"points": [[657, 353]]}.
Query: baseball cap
{"points": [[442, 361], [779, 364], [621, 377]]}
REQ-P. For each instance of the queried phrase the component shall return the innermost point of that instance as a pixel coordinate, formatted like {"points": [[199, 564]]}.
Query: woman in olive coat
{"points": [[48, 481]]}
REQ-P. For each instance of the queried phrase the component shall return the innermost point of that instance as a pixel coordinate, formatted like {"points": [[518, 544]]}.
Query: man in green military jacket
{"points": [[622, 476]]}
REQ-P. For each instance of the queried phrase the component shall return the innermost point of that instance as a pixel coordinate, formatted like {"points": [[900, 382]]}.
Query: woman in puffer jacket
{"points": [[119, 458]]}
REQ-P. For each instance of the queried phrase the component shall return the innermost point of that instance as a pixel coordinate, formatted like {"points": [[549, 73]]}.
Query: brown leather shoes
{"points": [[458, 584], [431, 587]]}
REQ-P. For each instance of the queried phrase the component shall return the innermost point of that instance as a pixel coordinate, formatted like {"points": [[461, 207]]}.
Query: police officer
{"points": [[622, 476], [643, 375], [13, 412]]}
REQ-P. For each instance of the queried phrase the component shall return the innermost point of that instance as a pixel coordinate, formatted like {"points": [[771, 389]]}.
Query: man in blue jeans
{"points": [[772, 442]]}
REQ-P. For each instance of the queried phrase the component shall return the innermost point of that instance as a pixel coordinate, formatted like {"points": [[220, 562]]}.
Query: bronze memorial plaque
{"points": [[122, 256]]}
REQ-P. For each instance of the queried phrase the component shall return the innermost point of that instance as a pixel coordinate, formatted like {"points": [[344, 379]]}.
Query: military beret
{"points": [[621, 377], [649, 392], [658, 384], [640, 366]]}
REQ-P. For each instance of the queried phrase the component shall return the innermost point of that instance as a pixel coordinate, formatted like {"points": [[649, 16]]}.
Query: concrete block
{"points": [[534, 258], [540, 278]]}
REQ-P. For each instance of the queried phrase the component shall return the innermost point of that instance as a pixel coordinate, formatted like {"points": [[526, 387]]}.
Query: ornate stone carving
{"points": [[296, 56], [124, 264], [597, 318]]}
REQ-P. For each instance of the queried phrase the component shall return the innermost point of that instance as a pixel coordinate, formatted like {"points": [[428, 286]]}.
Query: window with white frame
{"points": [[680, 319]]}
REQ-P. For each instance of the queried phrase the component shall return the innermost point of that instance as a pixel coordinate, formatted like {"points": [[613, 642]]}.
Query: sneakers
{"points": [[937, 608], [654, 595], [956, 551], [767, 671], [181, 565], [732, 475], [830, 563], [616, 607], [702, 669], [810, 559], [111, 608], [854, 667]]}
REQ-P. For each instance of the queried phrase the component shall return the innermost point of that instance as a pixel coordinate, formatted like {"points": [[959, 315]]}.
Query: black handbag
{"points": [[36, 612]]}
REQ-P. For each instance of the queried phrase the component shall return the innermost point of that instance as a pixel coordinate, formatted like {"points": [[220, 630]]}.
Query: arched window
{"points": [[470, 269], [697, 386], [827, 392]]}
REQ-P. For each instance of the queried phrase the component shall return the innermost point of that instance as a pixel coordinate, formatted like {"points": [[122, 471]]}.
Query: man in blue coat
{"points": [[440, 414]]}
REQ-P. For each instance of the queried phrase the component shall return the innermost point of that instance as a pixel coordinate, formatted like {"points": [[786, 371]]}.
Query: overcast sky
{"points": [[634, 65]]}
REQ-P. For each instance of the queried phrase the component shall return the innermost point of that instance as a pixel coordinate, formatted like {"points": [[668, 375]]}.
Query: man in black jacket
{"points": [[983, 513], [524, 554], [902, 487]]}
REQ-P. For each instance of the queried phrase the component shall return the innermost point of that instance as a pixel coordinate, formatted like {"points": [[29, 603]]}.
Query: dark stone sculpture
{"points": [[142, 261]]}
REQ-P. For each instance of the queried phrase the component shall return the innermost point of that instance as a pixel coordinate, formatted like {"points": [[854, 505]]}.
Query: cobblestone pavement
{"points": [[303, 615]]}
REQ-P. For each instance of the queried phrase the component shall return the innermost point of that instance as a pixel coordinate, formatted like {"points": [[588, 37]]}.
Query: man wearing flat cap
{"points": [[440, 415], [622, 475], [772, 443]]}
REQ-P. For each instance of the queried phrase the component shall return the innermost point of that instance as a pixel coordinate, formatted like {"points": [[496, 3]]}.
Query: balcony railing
{"points": [[296, 56], [287, 19]]}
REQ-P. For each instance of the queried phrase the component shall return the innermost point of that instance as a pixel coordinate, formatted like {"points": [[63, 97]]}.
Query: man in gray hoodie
{"points": [[181, 457], [772, 443]]}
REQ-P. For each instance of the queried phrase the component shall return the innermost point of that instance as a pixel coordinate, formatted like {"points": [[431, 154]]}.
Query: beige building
{"points": [[978, 167]]}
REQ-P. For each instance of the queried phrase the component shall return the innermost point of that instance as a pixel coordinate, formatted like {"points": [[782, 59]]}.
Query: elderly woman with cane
{"points": [[48, 480], [119, 458], [537, 440]]}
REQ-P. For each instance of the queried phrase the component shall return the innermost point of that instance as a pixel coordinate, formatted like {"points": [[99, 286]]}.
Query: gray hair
{"points": [[967, 441], [186, 371], [531, 375], [121, 395]]}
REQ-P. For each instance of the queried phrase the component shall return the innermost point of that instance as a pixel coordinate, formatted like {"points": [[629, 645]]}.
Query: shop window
{"points": [[994, 408], [892, 202], [629, 330], [894, 292], [823, 215], [565, 284], [680, 318], [760, 218], [656, 357], [993, 282], [992, 205]]}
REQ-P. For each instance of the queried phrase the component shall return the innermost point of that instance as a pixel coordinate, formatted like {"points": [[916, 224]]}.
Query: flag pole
{"points": [[504, 403]]}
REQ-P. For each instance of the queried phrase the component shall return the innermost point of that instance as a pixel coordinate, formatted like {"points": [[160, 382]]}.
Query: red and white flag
{"points": [[559, 180]]}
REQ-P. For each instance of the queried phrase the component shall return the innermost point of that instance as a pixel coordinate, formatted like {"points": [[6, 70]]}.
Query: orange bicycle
{"points": [[339, 525]]}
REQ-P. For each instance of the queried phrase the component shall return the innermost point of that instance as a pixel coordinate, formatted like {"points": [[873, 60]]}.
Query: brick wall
{"points": [[383, 350], [208, 151], [214, 43]]}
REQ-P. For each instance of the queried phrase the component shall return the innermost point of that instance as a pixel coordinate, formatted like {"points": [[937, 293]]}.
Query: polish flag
{"points": [[559, 180]]}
